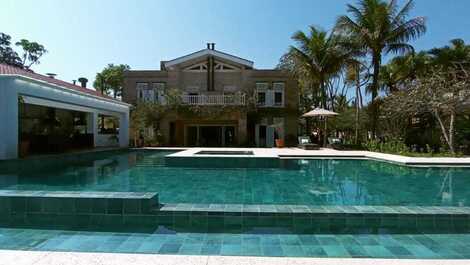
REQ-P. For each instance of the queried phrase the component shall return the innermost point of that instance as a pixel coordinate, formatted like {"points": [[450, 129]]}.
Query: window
{"points": [[144, 93], [261, 98], [261, 89], [278, 90], [108, 124], [262, 86], [159, 89], [278, 98]]}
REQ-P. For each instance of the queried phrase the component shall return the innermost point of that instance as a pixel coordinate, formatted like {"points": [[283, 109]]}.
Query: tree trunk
{"points": [[449, 137], [358, 88], [323, 94], [451, 133], [376, 61]]}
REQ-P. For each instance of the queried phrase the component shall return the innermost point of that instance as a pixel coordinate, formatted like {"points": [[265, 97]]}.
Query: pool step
{"points": [[66, 207], [304, 218]]}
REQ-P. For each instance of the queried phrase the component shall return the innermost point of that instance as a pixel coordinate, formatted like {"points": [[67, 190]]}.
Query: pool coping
{"points": [[326, 153], [20, 257], [284, 209]]}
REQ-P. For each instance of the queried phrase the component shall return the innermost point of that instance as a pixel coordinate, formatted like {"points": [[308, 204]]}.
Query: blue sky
{"points": [[83, 36]]}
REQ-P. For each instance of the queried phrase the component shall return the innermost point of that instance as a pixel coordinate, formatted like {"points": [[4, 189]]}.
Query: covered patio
{"points": [[41, 115]]}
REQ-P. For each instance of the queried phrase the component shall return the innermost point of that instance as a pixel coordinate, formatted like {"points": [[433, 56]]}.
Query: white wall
{"points": [[48, 95]]}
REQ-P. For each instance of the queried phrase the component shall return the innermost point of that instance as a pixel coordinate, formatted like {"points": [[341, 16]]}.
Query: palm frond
{"points": [[399, 48]]}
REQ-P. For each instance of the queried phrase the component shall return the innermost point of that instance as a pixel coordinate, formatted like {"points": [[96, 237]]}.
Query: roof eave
{"points": [[208, 52], [67, 89]]}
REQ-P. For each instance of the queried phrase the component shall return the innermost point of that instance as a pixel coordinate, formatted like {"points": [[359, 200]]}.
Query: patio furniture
{"points": [[335, 143], [306, 144], [323, 113]]}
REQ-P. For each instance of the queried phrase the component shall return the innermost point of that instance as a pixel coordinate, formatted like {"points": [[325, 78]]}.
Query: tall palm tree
{"points": [[381, 28], [319, 56]]}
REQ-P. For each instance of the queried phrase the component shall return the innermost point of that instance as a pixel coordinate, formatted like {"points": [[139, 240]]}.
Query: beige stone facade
{"points": [[226, 101]]}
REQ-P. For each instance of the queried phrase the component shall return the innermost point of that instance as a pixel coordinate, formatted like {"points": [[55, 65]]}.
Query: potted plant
{"points": [[279, 142]]}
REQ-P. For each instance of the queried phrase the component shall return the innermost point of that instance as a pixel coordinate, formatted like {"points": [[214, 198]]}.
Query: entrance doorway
{"points": [[211, 135]]}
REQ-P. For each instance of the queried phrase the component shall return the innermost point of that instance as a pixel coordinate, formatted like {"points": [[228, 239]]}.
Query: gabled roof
{"points": [[9, 70], [207, 52]]}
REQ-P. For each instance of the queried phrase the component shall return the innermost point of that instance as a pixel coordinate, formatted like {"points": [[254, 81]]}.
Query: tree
{"points": [[111, 79], [457, 53], [441, 93], [402, 69], [317, 57], [7, 54], [355, 72], [32, 52], [381, 28]]}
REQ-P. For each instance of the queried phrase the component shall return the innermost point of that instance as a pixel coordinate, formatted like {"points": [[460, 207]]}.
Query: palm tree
{"points": [[400, 69], [381, 28], [318, 57], [457, 53]]}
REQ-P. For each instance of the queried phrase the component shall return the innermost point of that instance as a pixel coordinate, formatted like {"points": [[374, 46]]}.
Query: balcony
{"points": [[237, 99]]}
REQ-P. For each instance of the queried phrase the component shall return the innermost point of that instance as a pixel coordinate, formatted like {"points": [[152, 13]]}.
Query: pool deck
{"points": [[76, 258], [286, 153]]}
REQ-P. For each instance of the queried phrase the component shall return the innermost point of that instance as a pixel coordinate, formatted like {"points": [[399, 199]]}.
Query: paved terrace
{"points": [[75, 258], [325, 153]]}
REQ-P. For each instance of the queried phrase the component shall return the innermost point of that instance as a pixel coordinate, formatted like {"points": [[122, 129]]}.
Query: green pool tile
{"points": [[131, 206], [251, 249], [211, 249], [232, 239], [399, 251], [272, 250], [356, 251], [378, 251], [231, 249], [190, 249], [422, 251], [366, 240], [169, 248]]}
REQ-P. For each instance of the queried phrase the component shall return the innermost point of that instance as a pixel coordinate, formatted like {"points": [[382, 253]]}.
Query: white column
{"points": [[8, 119], [94, 126], [124, 130]]}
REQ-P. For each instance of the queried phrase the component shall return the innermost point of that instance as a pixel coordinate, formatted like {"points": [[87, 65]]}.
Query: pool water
{"points": [[297, 181], [248, 181]]}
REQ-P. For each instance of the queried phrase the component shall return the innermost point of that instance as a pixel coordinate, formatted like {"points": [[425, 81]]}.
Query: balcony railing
{"points": [[214, 100]]}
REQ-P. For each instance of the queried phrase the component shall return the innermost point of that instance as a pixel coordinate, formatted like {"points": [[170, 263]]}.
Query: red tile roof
{"points": [[12, 70]]}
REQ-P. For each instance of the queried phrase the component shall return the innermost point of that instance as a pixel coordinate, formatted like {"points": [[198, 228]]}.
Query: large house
{"points": [[225, 100]]}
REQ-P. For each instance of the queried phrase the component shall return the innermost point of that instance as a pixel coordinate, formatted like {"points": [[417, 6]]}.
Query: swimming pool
{"points": [[284, 181], [234, 206]]}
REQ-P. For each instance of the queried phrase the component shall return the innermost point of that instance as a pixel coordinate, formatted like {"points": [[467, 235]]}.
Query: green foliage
{"points": [[380, 27], [317, 57], [391, 146], [32, 52], [146, 116], [111, 79], [7, 54]]}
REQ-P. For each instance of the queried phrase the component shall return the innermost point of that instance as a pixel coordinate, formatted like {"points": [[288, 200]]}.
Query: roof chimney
{"points": [[51, 75], [212, 46], [83, 81], [74, 82]]}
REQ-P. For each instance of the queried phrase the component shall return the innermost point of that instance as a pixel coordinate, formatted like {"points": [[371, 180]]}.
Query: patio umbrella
{"points": [[319, 112]]}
